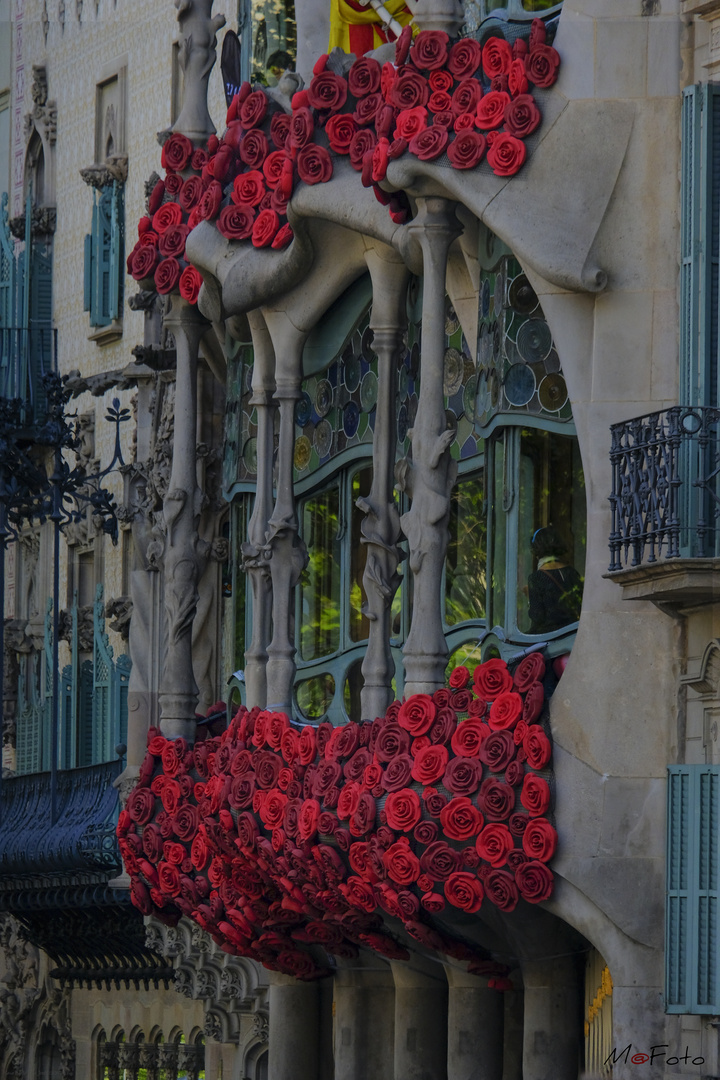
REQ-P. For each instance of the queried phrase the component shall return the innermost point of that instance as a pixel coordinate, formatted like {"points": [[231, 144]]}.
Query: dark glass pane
{"points": [[551, 532], [320, 582], [465, 569], [359, 626], [314, 696], [351, 690], [500, 506], [274, 40]]}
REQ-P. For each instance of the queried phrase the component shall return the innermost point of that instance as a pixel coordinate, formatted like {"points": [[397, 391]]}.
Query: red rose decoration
{"points": [[402, 810], [402, 45], [307, 746], [362, 142], [417, 714], [535, 795], [402, 866], [491, 110], [535, 882], [460, 820], [348, 800], [501, 890], [522, 117], [314, 165], [429, 764], [506, 155], [176, 152], [236, 221], [517, 78], [537, 747], [364, 77], [367, 109], [492, 678], [209, 206], [199, 159], [173, 183], [441, 102], [539, 840], [190, 193], [494, 843], [167, 276], [398, 773], [466, 96], [440, 80], [439, 861], [496, 57], [327, 91], [469, 736], [308, 819], [464, 59], [143, 261], [467, 149], [248, 188], [459, 678], [273, 809], [498, 750], [172, 242], [430, 50], [391, 740], [533, 704], [254, 149], [462, 775], [409, 90], [464, 891], [168, 214], [410, 122], [141, 805], [505, 711], [280, 129], [514, 773], [252, 111], [426, 832], [282, 238], [531, 669], [496, 799], [363, 818], [340, 130], [432, 902], [302, 127], [542, 65], [189, 285]]}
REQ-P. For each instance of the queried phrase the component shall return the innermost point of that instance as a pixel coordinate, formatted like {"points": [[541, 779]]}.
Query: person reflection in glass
{"points": [[555, 588]]}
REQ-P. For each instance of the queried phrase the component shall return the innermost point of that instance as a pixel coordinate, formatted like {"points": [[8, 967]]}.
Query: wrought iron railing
{"points": [[26, 355], [80, 841], [665, 495]]}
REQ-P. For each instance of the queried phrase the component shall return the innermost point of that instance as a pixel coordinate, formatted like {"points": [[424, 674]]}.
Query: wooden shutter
{"points": [[116, 252], [692, 953]]}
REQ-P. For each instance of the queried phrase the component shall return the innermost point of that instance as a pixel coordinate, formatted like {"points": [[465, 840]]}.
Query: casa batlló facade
{"points": [[360, 684]]}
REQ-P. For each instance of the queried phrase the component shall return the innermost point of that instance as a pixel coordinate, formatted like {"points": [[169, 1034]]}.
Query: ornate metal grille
{"points": [[665, 495]]}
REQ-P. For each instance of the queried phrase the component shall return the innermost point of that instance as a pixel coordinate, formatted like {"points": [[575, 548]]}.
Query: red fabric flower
{"points": [[468, 148], [539, 840], [535, 881], [249, 188], [340, 130], [517, 78], [190, 193], [464, 891], [462, 775], [537, 747], [176, 152], [496, 57], [143, 261], [494, 843], [468, 737], [505, 711], [327, 91], [501, 890], [440, 102], [542, 65], [492, 678], [362, 142], [252, 111], [533, 704], [282, 238], [459, 819], [522, 117], [531, 669], [440, 80], [535, 795], [254, 149], [402, 810], [490, 113], [236, 221], [265, 228], [402, 866], [498, 750], [402, 45], [167, 275], [506, 155], [168, 214], [410, 122], [430, 50], [364, 77], [514, 773], [189, 284], [209, 206], [314, 164], [367, 109], [397, 773], [308, 819], [280, 129], [459, 678], [409, 90], [171, 243], [464, 59], [429, 764], [496, 799], [417, 714]]}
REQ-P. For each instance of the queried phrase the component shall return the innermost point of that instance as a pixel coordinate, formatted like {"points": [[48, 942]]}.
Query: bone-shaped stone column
{"points": [[381, 526], [255, 554], [185, 553], [432, 471], [288, 556]]}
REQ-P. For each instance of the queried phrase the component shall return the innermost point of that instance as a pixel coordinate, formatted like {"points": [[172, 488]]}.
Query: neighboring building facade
{"points": [[345, 470]]}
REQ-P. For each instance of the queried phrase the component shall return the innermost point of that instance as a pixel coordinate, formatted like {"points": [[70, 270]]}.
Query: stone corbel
{"points": [[112, 170]]}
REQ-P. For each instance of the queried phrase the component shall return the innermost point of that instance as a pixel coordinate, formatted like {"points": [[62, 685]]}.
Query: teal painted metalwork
{"points": [[104, 254]]}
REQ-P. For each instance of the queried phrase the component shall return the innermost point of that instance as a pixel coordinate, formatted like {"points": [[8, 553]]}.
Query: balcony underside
{"points": [[673, 585]]}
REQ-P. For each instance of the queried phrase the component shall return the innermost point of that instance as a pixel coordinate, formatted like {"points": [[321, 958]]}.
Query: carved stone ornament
{"points": [[44, 112], [43, 222], [261, 1027], [113, 169], [119, 609], [198, 30]]}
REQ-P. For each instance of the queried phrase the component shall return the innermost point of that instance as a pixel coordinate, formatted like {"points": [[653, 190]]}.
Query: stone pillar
{"points": [[432, 472], [381, 527], [475, 1028], [364, 1020], [287, 552], [552, 1019], [255, 555], [293, 1029], [185, 556], [421, 1017], [513, 1035], [197, 48], [447, 15]]}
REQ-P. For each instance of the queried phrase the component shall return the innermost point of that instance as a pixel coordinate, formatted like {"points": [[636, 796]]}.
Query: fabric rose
{"points": [[417, 714], [367, 109], [302, 126], [254, 149], [466, 97], [505, 711], [265, 227], [314, 164], [236, 221], [273, 809], [190, 283], [402, 810], [223, 164], [209, 206], [444, 725], [409, 89], [430, 50], [282, 237], [141, 805], [363, 819], [468, 737], [429, 764], [492, 678], [537, 747], [190, 193], [498, 750], [438, 861], [517, 823], [398, 773], [517, 78], [464, 891], [462, 775], [533, 704], [429, 144], [167, 275], [426, 832], [535, 881], [171, 243], [391, 741], [176, 152], [199, 852], [519, 733], [535, 795], [402, 45], [459, 819], [542, 65], [531, 669], [362, 142], [490, 113], [464, 59], [267, 768], [494, 843], [496, 57], [354, 767], [440, 102], [522, 117], [308, 819], [496, 799], [168, 214], [506, 155], [327, 91], [435, 801], [514, 773], [340, 130], [307, 746], [402, 865], [467, 149], [143, 262], [248, 188], [280, 129], [252, 111], [459, 678], [327, 776], [410, 122], [501, 890], [364, 77], [539, 840]]}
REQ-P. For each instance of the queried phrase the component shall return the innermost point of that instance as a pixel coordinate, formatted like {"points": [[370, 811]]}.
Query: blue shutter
{"points": [[88, 273], [85, 714], [116, 252], [692, 955]]}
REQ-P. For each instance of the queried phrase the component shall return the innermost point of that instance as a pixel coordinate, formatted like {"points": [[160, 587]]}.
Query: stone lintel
{"points": [[672, 584], [704, 8]]}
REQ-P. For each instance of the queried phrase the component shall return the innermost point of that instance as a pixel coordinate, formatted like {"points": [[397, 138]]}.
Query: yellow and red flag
{"points": [[357, 29]]}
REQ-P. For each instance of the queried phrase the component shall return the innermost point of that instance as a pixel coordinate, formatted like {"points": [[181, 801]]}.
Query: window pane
{"points": [[351, 690], [499, 510], [359, 626], [465, 580], [320, 582], [551, 532], [315, 696], [274, 40]]}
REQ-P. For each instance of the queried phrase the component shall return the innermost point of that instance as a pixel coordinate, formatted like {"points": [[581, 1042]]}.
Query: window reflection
{"points": [[320, 582], [314, 696], [359, 625], [274, 40], [465, 580]]}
